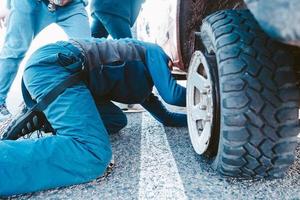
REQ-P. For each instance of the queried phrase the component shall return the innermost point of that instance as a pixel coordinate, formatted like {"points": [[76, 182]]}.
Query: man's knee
{"points": [[100, 156], [122, 121], [103, 155], [117, 123]]}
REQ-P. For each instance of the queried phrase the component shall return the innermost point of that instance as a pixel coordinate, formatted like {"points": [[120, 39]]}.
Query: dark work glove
{"points": [[153, 105]]}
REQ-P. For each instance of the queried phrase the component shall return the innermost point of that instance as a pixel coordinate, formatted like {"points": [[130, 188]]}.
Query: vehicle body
{"points": [[242, 86], [174, 25], [279, 19]]}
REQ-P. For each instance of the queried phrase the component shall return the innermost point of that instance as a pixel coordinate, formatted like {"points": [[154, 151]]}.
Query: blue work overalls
{"points": [[83, 114], [27, 19], [114, 17]]}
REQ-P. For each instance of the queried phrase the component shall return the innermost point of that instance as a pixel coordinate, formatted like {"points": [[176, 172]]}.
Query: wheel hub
{"points": [[200, 106]]}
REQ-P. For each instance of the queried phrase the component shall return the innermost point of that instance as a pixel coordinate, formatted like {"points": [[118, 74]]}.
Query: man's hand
{"points": [[60, 2], [170, 65], [4, 13]]}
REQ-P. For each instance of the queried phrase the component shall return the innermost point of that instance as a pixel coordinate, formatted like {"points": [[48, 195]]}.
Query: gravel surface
{"points": [[156, 162]]}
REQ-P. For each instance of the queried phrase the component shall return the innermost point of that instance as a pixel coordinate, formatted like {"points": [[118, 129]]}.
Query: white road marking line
{"points": [[159, 176]]}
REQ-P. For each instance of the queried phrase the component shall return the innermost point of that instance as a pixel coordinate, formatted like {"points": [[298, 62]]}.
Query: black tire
{"points": [[258, 97]]}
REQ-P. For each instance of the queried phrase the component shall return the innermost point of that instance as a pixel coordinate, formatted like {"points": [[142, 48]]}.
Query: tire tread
{"points": [[258, 85]]}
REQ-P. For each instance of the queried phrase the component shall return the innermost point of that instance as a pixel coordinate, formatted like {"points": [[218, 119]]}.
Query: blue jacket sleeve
{"points": [[153, 105]]}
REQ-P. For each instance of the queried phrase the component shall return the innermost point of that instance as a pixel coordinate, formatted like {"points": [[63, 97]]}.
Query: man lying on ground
{"points": [[82, 115]]}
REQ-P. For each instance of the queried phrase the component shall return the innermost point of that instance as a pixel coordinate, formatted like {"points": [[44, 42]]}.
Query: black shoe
{"points": [[25, 124]]}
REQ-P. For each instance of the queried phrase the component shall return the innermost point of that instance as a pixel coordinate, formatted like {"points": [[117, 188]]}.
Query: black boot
{"points": [[26, 124]]}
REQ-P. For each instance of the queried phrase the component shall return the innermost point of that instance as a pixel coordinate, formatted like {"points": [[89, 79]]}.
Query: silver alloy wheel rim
{"points": [[199, 103]]}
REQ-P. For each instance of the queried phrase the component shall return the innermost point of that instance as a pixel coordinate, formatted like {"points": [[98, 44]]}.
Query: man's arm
{"points": [[153, 105], [159, 65]]}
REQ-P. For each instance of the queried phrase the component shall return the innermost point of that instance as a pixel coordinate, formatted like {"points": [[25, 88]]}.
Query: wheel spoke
{"points": [[206, 133], [198, 113], [198, 81]]}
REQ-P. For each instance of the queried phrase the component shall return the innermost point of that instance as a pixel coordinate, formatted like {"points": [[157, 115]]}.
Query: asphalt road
{"points": [[156, 162]]}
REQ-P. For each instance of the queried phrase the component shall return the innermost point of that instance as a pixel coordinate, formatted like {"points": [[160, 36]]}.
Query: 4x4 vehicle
{"points": [[242, 85], [242, 78]]}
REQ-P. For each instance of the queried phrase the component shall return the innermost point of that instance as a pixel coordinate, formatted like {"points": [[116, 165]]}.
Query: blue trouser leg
{"points": [[44, 18], [78, 153], [166, 85], [97, 28], [17, 40], [27, 19], [116, 26], [73, 19], [113, 117]]}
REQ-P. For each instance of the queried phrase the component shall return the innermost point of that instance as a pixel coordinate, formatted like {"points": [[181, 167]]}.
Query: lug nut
{"points": [[204, 92], [203, 107], [207, 86]]}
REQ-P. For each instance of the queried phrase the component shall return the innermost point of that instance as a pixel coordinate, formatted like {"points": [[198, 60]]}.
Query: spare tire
{"points": [[255, 98]]}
